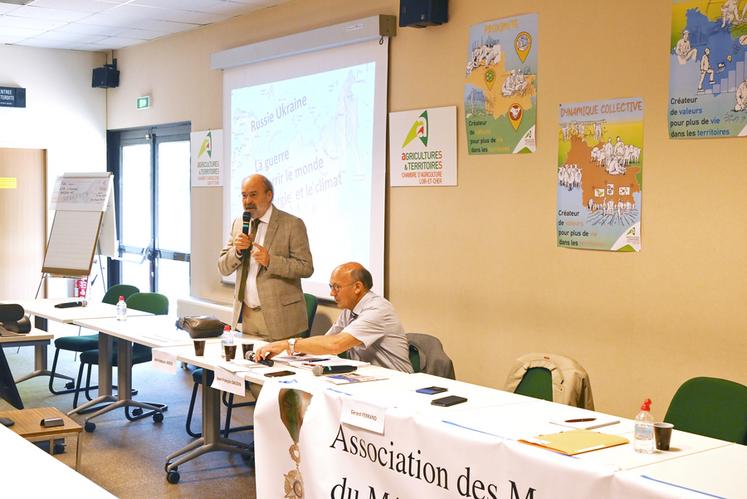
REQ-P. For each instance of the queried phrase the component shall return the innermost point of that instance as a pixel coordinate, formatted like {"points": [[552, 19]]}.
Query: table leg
{"points": [[105, 377], [124, 379], [40, 365], [77, 452], [211, 440]]}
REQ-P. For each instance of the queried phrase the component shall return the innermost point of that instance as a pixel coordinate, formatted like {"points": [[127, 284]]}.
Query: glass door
{"points": [[153, 182]]}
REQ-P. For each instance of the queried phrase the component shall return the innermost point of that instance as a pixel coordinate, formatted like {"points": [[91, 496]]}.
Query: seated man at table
{"points": [[368, 328]]}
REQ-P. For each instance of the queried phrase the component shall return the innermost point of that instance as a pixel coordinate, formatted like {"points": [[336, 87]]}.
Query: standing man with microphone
{"points": [[269, 251], [368, 328]]}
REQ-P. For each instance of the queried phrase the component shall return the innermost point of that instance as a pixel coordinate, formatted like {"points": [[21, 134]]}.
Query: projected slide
{"points": [[312, 136]]}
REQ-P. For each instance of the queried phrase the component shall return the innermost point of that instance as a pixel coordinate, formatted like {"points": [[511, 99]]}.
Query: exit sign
{"points": [[143, 102]]}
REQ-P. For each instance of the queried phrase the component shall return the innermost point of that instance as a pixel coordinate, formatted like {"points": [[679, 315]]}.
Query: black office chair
{"points": [[227, 398], [155, 303], [85, 342]]}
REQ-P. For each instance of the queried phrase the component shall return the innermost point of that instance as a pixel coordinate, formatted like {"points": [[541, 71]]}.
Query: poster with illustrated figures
{"points": [[500, 89], [599, 175], [708, 69]]}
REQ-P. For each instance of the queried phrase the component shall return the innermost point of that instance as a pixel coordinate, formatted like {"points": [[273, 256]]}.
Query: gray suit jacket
{"points": [[279, 285]]}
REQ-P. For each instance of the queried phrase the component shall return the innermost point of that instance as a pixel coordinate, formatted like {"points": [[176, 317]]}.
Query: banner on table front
{"points": [[708, 69], [303, 451], [207, 158], [422, 147], [500, 88], [599, 175]]}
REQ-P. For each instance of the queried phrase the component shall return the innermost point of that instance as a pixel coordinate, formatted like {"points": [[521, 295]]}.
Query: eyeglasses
{"points": [[337, 287]]}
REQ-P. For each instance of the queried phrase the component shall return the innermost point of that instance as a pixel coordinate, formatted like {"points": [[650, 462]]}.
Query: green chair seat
{"points": [[140, 354], [414, 358], [85, 342], [712, 407], [77, 343], [154, 303], [537, 383]]}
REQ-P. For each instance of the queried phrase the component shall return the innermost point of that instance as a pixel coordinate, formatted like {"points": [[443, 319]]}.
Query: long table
{"points": [[44, 310], [30, 472], [155, 331], [468, 450]]}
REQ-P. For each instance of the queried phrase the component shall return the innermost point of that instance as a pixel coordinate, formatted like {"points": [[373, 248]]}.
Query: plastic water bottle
{"points": [[227, 336], [643, 437], [121, 309]]}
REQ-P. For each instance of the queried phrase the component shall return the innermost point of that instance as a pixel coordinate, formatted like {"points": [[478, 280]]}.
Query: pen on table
{"points": [[580, 420]]}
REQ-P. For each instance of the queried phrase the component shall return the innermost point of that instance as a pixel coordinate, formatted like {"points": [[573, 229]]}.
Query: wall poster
{"points": [[599, 174], [500, 89], [708, 69]]}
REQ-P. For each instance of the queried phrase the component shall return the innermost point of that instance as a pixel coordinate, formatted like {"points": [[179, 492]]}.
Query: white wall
{"points": [[63, 114]]}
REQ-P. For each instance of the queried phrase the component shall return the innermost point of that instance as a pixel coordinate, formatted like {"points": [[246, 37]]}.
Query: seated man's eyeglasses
{"points": [[337, 287]]}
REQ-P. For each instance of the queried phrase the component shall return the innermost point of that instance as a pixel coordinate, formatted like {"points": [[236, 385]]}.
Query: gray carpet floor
{"points": [[127, 458]]}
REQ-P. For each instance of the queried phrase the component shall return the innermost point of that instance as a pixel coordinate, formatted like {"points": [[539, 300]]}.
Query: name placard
{"points": [[164, 360], [12, 97], [227, 381], [363, 415]]}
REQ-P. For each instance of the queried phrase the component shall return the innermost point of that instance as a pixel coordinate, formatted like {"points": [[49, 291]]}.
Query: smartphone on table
{"points": [[278, 374], [431, 390], [448, 401]]}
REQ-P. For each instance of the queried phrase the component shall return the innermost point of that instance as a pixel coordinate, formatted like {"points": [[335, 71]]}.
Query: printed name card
{"points": [[229, 382], [164, 360], [363, 415]]}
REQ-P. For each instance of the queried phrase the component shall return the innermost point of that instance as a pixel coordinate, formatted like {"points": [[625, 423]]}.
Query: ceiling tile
{"points": [[114, 43], [11, 32], [195, 5], [5, 8], [166, 27], [11, 21], [77, 5], [116, 23], [189, 16], [92, 29], [36, 42], [32, 12], [140, 34]]}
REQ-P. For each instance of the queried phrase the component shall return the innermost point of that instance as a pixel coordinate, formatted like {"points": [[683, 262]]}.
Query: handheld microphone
{"points": [[322, 370], [266, 362], [71, 304], [247, 219]]}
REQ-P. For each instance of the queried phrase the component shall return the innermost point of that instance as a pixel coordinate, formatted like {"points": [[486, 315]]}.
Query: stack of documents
{"points": [[575, 441]]}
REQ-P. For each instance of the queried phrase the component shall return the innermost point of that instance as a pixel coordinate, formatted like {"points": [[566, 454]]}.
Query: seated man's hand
{"points": [[270, 350]]}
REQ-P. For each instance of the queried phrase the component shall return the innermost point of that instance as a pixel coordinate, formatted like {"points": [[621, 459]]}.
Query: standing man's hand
{"points": [[261, 255], [241, 242]]}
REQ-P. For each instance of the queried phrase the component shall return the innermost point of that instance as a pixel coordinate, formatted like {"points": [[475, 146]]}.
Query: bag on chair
{"points": [[201, 326]]}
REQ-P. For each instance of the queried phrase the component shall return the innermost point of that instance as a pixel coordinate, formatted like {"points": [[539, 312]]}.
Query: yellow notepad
{"points": [[576, 441]]}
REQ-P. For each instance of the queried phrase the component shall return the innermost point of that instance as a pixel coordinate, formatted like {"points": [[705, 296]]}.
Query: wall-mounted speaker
{"points": [[422, 13], [106, 76]]}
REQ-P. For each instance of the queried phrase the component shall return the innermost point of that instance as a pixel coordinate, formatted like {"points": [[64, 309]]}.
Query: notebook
{"points": [[575, 441]]}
